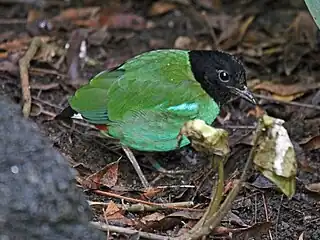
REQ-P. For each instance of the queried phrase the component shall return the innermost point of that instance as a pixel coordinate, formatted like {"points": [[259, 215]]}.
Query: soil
{"points": [[279, 45]]}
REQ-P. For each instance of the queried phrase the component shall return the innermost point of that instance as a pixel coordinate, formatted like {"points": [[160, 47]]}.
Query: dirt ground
{"points": [[279, 44]]}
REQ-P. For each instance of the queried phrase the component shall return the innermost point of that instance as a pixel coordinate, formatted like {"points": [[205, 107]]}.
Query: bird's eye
{"points": [[224, 76]]}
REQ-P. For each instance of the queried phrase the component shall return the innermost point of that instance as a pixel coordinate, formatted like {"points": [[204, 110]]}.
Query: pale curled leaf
{"points": [[287, 185], [313, 187], [205, 138], [275, 156]]}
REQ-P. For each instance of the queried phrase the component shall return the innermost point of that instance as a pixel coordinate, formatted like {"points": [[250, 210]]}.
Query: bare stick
{"points": [[106, 227], [24, 64], [160, 205], [144, 207], [136, 166], [293, 103]]}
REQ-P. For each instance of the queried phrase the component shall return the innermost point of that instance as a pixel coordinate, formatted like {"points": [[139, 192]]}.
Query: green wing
{"points": [[146, 101]]}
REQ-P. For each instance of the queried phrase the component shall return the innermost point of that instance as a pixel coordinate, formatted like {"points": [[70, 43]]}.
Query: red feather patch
{"points": [[102, 127]]}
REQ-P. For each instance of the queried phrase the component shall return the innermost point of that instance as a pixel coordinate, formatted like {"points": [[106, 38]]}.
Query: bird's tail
{"points": [[67, 114]]}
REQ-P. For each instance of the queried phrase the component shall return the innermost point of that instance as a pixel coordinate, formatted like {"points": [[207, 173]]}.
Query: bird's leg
{"points": [[136, 166]]}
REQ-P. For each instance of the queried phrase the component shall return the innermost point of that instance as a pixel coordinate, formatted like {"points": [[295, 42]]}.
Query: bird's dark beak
{"points": [[244, 93]]}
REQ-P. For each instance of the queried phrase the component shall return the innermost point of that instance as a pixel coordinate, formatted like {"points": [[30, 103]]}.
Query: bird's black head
{"points": [[220, 74]]}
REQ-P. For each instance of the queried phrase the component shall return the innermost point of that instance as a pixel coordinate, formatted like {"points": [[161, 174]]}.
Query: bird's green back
{"points": [[146, 100]]}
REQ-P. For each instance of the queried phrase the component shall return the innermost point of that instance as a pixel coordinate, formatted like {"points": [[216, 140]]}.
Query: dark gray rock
{"points": [[38, 196]]}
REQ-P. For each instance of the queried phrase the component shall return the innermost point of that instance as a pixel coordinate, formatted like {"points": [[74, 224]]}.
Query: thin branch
{"points": [[136, 166], [161, 205], [144, 207], [106, 227], [293, 103], [24, 64]]}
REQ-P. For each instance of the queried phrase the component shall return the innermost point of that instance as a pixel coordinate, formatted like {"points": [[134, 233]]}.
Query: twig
{"points": [[247, 127], [109, 194], [47, 103], [214, 220], [136, 166], [24, 64], [293, 103], [47, 71], [144, 207], [107, 227], [175, 186], [4, 21], [266, 213]]}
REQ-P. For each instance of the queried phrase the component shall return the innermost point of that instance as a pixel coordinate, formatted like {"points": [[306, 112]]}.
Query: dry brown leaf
{"points": [[209, 4], [216, 4], [256, 230], [292, 55], [115, 215], [187, 215], [237, 35], [8, 66], [312, 144], [77, 13], [286, 89], [110, 178], [256, 112], [16, 44], [287, 98], [20, 44], [303, 29], [158, 221], [150, 193], [7, 36], [160, 7], [122, 21], [184, 42], [313, 187], [3, 54], [107, 176], [227, 24], [33, 15], [154, 217], [112, 211]]}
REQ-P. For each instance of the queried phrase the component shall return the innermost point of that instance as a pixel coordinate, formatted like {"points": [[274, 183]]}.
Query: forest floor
{"points": [[279, 45]]}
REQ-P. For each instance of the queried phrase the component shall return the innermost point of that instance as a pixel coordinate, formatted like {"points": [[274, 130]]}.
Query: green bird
{"points": [[145, 101]]}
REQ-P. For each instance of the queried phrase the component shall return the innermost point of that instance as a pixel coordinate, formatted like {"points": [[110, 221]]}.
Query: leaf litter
{"points": [[281, 56]]}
